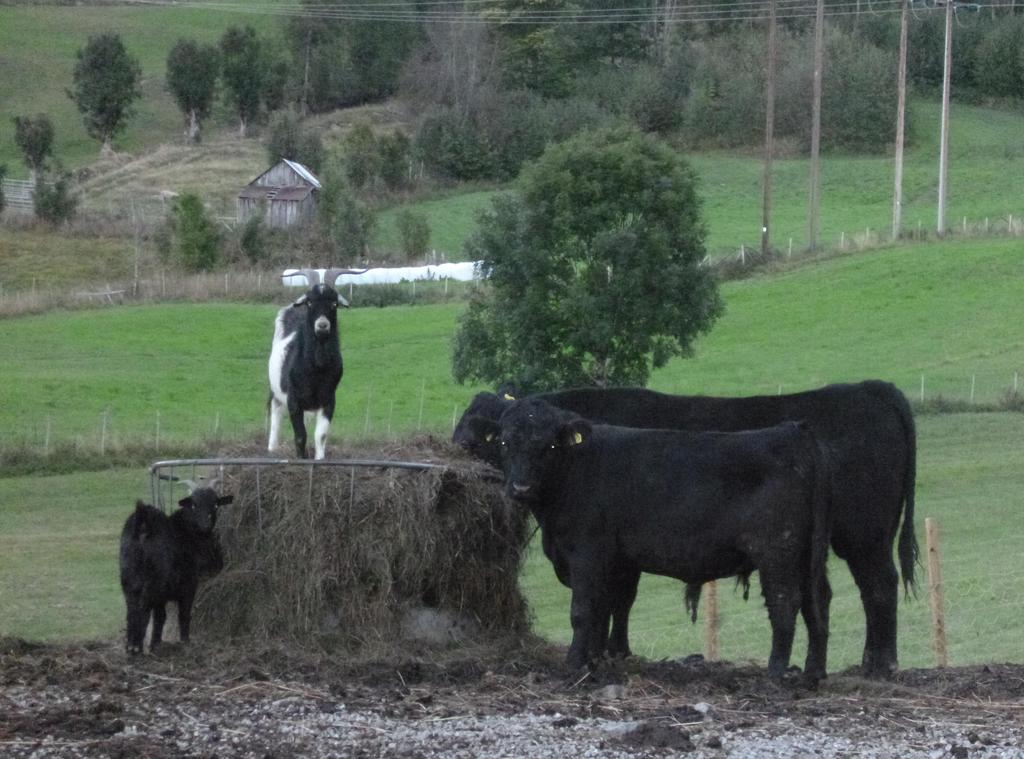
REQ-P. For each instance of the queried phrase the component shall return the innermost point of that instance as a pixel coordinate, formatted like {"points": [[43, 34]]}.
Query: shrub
{"points": [[345, 221], [288, 138], [197, 239], [361, 157], [858, 95], [998, 61], [452, 146], [53, 200], [395, 151], [414, 230], [253, 241]]}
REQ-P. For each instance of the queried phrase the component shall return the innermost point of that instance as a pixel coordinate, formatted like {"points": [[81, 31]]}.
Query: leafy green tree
{"points": [[192, 71], [196, 237], [361, 156], [106, 84], [395, 153], [594, 268], [253, 241], [53, 200], [244, 80], [344, 219], [34, 137], [414, 229], [287, 138]]}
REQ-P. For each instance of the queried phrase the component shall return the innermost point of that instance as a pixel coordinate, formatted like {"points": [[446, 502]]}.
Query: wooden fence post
{"points": [[711, 620], [935, 593]]}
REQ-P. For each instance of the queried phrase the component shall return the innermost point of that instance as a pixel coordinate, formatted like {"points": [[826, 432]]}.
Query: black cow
{"points": [[163, 558], [869, 429], [305, 364], [617, 501]]}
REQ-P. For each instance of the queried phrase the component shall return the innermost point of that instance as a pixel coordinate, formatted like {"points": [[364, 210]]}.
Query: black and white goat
{"points": [[305, 361], [163, 558]]}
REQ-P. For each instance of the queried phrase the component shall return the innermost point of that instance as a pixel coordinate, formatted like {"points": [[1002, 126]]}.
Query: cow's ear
{"points": [[224, 500], [484, 430], [186, 503], [576, 432]]}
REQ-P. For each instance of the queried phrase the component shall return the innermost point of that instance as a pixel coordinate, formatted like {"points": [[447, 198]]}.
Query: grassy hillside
{"points": [[986, 179], [39, 43], [942, 309]]}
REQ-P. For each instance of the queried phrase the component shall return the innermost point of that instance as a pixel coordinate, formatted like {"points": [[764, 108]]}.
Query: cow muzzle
{"points": [[519, 491], [322, 326]]}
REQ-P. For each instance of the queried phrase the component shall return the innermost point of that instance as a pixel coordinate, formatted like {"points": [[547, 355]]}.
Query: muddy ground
{"points": [[208, 701]]}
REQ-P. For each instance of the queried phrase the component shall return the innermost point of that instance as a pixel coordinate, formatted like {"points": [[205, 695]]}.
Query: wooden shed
{"points": [[286, 192]]}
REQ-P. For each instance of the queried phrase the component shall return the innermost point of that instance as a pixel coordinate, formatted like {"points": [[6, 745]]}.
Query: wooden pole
{"points": [[814, 192], [947, 75], [935, 594], [901, 110], [769, 132], [711, 620]]}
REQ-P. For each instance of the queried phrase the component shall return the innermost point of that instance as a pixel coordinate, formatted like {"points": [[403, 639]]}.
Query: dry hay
{"points": [[340, 556]]}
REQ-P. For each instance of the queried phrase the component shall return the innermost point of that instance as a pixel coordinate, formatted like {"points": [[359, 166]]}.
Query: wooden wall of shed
{"points": [[279, 213], [281, 175]]}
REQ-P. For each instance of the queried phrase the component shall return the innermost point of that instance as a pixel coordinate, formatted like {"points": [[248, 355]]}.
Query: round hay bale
{"points": [[343, 556]]}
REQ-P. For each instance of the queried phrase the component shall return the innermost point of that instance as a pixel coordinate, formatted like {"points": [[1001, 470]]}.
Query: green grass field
{"points": [[846, 318], [942, 309], [986, 179]]}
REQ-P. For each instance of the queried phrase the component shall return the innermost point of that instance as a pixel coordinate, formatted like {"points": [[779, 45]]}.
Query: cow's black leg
{"points": [[878, 581], [185, 615], [159, 617], [299, 427], [588, 615], [138, 618], [622, 597], [815, 667], [783, 601]]}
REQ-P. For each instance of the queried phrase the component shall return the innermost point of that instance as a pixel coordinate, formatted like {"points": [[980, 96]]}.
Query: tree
{"points": [[192, 71], [362, 157], [594, 268], [344, 219], [106, 84], [53, 200], [196, 238], [242, 66], [287, 138], [414, 229], [34, 137], [3, 173]]}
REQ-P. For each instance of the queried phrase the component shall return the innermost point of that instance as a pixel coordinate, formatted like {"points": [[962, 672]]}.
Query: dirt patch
{"points": [[509, 698]]}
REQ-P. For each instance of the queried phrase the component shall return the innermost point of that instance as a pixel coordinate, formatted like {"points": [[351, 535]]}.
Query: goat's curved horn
{"points": [[331, 275], [312, 276], [214, 483], [189, 484]]}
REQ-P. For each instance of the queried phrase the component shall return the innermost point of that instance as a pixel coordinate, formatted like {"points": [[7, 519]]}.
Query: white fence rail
{"points": [[18, 195]]}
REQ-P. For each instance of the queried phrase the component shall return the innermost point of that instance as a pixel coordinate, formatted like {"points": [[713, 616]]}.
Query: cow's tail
{"points": [[907, 547]]}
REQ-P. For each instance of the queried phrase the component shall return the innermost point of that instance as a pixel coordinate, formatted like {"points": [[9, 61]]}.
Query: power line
{"points": [[749, 10]]}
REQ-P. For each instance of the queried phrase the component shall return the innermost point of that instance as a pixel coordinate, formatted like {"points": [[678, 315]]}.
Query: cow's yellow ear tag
{"points": [[489, 437], [577, 438], [509, 397]]}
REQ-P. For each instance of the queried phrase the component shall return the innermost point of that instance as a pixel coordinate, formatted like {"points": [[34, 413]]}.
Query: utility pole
{"points": [[814, 194], [769, 129], [901, 108], [947, 75]]}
